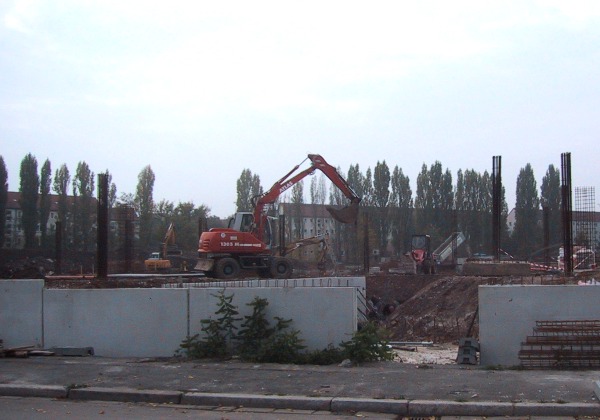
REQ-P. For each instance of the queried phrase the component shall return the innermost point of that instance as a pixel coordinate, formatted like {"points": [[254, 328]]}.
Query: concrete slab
{"points": [[554, 409], [250, 400], [25, 390], [455, 408], [21, 313], [125, 395], [398, 407]]}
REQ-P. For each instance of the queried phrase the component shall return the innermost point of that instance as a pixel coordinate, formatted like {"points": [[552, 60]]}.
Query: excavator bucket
{"points": [[348, 214]]}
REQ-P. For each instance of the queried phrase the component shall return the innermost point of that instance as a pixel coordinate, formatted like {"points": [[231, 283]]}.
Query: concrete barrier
{"points": [[21, 312], [507, 315], [153, 322], [116, 322]]}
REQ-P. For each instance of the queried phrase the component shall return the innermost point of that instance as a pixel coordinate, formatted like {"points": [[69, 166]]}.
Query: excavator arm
{"points": [[348, 214]]}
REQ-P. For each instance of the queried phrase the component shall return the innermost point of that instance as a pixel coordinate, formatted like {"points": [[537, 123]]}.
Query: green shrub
{"points": [[257, 341], [368, 344], [217, 333]]}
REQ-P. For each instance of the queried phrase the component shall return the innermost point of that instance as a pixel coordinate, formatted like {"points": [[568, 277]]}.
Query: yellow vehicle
{"points": [[158, 261]]}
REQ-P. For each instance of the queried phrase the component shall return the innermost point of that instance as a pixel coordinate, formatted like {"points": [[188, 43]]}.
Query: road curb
{"points": [[125, 395], [42, 391], [422, 408], [555, 409], [454, 408], [293, 402], [399, 407]]}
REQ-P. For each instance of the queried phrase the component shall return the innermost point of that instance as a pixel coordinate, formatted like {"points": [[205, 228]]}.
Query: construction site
{"points": [[425, 298]]}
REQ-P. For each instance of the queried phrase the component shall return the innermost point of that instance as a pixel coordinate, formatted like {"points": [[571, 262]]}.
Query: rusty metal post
{"points": [[546, 225], [282, 250], [496, 206], [58, 244], [566, 212], [128, 244], [102, 230], [366, 260]]}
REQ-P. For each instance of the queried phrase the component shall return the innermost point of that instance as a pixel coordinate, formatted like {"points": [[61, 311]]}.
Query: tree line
{"points": [[77, 213], [440, 205]]}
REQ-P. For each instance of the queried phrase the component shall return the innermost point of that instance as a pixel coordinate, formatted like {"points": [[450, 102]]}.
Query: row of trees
{"points": [[77, 212], [438, 207]]}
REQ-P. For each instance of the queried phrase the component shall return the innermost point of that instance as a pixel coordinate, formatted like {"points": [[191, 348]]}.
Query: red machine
{"points": [[247, 242], [422, 255]]}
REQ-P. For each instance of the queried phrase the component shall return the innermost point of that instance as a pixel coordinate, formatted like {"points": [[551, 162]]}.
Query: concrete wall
{"points": [[153, 322], [323, 315], [21, 312], [507, 315], [116, 322]]}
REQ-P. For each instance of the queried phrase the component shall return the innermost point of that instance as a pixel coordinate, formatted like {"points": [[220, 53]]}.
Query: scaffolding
{"points": [[584, 226]]}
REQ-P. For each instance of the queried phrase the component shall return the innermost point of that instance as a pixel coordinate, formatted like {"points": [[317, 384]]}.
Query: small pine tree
{"points": [[254, 329], [368, 345]]}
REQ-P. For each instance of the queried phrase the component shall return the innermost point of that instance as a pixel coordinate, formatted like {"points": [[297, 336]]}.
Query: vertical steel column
{"points": [[566, 211], [366, 260], [102, 230], [281, 227], [58, 234], [496, 206], [546, 224]]}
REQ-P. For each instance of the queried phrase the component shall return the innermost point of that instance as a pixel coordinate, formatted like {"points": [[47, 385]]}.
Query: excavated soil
{"points": [[437, 308]]}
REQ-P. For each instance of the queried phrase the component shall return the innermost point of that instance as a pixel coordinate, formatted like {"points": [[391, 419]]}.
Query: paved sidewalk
{"points": [[386, 387]]}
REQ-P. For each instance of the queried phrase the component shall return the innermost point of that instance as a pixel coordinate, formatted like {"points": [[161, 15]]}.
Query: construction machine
{"points": [[159, 261], [421, 253], [248, 241]]}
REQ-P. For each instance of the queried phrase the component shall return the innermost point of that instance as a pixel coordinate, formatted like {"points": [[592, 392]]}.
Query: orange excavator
{"points": [[159, 261], [248, 243]]}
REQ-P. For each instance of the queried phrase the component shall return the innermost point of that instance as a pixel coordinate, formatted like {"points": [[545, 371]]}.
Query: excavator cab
{"points": [[244, 222]]}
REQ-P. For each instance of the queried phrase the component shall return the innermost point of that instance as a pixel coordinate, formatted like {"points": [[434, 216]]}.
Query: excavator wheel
{"points": [[227, 268], [281, 268]]}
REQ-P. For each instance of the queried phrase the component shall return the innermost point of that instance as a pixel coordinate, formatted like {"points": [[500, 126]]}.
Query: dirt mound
{"points": [[439, 308]]}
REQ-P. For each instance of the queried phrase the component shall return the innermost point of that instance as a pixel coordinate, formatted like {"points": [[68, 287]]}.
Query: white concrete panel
{"points": [[322, 315], [21, 312], [116, 322], [507, 315]]}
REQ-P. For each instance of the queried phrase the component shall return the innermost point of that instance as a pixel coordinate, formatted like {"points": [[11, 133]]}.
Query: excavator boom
{"points": [[347, 214]]}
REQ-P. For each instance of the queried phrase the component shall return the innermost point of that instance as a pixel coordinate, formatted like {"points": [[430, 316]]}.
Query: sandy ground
{"points": [[438, 354]]}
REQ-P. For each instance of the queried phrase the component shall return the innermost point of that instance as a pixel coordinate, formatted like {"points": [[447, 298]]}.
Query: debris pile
{"points": [[27, 268]]}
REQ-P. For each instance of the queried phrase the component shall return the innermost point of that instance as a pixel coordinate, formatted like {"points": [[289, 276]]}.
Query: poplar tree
{"points": [[45, 202], [3, 198], [526, 233], [551, 199], [401, 203], [381, 201], [30, 183], [83, 192], [248, 188], [145, 203], [62, 180]]}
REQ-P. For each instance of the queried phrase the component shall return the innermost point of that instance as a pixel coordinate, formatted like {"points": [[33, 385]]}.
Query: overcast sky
{"points": [[201, 90]]}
